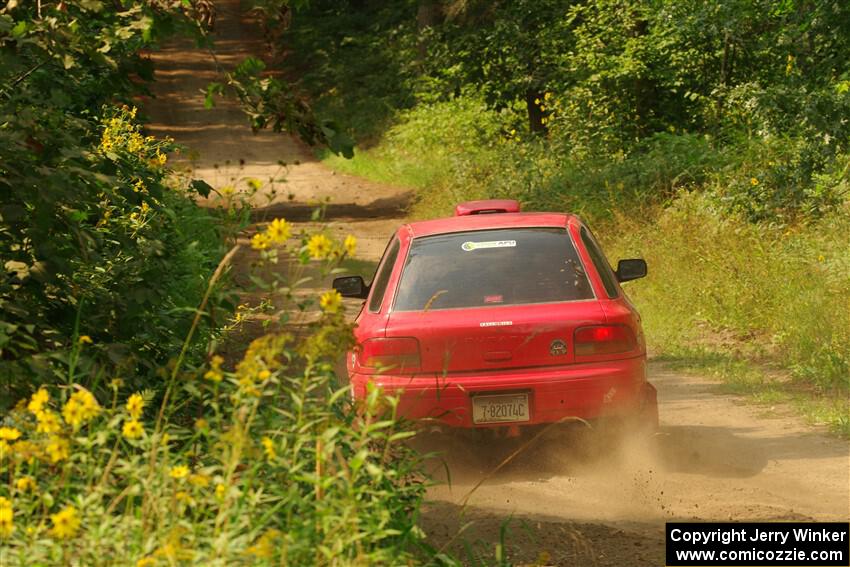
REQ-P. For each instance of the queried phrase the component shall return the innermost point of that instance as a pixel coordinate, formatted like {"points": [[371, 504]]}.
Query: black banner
{"points": [[759, 544]]}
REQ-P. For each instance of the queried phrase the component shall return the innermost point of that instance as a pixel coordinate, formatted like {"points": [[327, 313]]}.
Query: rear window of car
{"points": [[491, 268]]}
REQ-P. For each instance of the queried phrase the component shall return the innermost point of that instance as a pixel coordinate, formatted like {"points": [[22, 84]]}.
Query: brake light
{"points": [[396, 354], [604, 339]]}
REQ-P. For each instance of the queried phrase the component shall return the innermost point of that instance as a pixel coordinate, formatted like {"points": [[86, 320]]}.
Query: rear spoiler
{"points": [[487, 206]]}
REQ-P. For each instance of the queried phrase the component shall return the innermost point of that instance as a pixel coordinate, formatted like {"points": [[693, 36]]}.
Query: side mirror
{"points": [[631, 269], [351, 286]]}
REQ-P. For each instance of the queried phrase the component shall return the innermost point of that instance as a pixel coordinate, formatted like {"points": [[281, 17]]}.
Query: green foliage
{"points": [[511, 52], [357, 60], [269, 102], [94, 240], [609, 81], [776, 293], [107, 284], [278, 468]]}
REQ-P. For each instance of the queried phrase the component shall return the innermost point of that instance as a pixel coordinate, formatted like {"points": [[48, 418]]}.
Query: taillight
{"points": [[604, 339], [396, 354]]}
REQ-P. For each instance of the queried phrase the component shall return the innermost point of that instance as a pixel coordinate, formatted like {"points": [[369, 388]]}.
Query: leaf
{"points": [[211, 91], [250, 66], [68, 61], [79, 216], [19, 30], [201, 187], [91, 5], [338, 141]]}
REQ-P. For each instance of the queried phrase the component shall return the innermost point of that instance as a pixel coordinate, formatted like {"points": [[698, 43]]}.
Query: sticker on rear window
{"points": [[468, 246]]}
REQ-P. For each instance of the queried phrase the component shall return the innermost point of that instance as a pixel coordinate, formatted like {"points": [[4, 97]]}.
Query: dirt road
{"points": [[714, 458]]}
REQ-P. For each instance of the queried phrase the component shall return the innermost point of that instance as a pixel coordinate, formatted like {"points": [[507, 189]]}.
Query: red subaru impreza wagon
{"points": [[497, 318]]}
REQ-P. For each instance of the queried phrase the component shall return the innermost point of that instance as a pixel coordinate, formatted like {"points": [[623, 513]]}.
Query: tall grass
{"points": [[718, 282]]}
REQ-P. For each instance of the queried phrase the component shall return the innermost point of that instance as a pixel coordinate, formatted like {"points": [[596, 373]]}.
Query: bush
{"points": [[267, 462], [98, 244]]}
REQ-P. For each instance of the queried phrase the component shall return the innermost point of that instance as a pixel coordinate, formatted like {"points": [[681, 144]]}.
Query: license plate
{"points": [[504, 408]]}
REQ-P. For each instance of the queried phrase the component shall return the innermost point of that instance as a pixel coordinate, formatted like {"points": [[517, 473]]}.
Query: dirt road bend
{"points": [[714, 458]]}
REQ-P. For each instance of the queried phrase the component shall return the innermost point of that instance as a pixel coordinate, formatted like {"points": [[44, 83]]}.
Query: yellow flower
{"points": [[246, 386], [201, 424], [65, 523], [146, 562], [48, 422], [227, 191], [350, 245], [57, 449], [132, 429], [255, 184], [9, 433], [179, 472], [24, 450], [85, 340], [135, 143], [214, 373], [7, 524], [161, 158], [199, 480], [26, 484], [220, 491], [135, 404], [265, 546], [80, 408], [279, 231], [184, 497], [319, 246], [38, 400], [4, 449], [264, 375], [330, 301], [260, 241], [268, 448], [754, 181]]}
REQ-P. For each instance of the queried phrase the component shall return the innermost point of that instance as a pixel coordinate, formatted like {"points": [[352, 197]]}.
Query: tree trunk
{"points": [[533, 100]]}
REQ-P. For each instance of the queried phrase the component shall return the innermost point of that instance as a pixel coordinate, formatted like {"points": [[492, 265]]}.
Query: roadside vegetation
{"points": [[710, 138], [125, 437]]}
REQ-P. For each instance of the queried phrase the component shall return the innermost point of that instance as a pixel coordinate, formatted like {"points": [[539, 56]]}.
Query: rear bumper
{"points": [[586, 391]]}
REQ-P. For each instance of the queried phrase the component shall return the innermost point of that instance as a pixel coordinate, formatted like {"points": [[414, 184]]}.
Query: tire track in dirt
{"points": [[713, 459]]}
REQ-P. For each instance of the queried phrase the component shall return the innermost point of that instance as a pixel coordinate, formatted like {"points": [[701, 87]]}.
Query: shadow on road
{"points": [[386, 208]]}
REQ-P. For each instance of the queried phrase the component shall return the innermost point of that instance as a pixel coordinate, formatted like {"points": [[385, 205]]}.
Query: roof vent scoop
{"points": [[487, 207]]}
